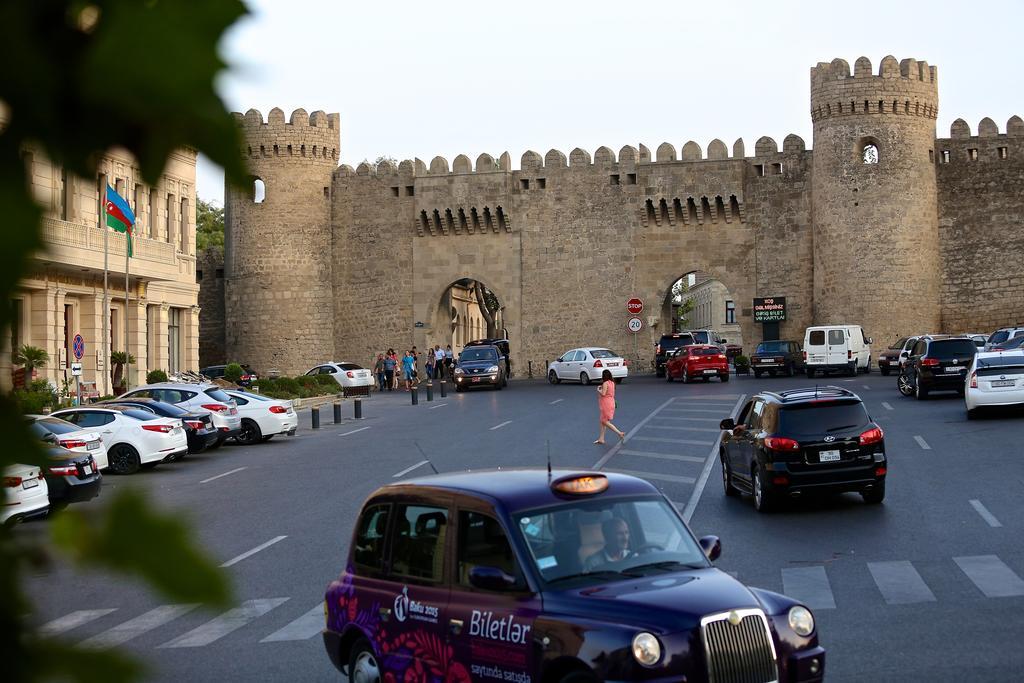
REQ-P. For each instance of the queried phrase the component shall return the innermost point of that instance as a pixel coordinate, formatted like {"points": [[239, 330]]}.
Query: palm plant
{"points": [[118, 359], [30, 358]]}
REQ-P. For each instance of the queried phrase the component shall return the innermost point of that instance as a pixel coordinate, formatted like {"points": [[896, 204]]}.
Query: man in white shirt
{"points": [[439, 369], [616, 544]]}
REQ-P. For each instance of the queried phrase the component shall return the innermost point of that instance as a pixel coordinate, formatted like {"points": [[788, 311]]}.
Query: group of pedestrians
{"points": [[393, 371]]}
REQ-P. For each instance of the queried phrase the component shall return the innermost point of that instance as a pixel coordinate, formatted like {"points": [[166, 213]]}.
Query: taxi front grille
{"points": [[742, 652]]}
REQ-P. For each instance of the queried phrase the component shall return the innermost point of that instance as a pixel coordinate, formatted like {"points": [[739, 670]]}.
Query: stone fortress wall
{"points": [[565, 240]]}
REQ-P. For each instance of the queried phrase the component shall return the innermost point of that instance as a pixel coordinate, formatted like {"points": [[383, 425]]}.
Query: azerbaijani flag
{"points": [[119, 215]]}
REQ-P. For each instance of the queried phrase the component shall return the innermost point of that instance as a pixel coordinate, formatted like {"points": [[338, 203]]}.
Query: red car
{"points": [[698, 360]]}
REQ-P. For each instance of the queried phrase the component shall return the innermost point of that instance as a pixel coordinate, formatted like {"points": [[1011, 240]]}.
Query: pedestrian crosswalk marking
{"points": [[654, 475], [683, 429], [133, 628], [73, 620], [809, 585], [226, 623], [663, 456], [900, 583], [723, 411], [991, 575], [688, 419], [305, 627], [662, 439]]}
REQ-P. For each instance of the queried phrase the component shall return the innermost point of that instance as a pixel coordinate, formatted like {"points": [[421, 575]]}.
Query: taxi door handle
{"points": [[455, 626], [385, 613]]}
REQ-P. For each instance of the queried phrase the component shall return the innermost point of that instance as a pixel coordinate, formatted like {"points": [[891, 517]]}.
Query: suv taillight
{"points": [[974, 380], [930, 362], [873, 435], [781, 443], [597, 363], [215, 407]]}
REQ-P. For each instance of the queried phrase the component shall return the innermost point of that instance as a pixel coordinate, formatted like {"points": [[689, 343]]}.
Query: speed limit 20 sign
{"points": [[635, 306], [635, 325]]}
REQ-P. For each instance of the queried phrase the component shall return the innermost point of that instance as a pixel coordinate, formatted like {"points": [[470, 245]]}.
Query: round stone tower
{"points": [[277, 260], [876, 255]]}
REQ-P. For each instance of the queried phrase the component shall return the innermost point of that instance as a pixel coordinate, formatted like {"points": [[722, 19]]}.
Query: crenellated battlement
{"points": [[908, 88], [989, 145], [987, 128], [303, 135]]}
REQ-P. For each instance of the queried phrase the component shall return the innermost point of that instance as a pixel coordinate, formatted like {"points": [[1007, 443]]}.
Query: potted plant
{"points": [[742, 365], [118, 359]]}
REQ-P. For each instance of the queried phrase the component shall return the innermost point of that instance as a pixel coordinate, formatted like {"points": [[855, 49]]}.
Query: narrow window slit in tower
{"points": [[488, 223], [677, 210], [734, 207], [1002, 152], [474, 218], [449, 221], [649, 208], [759, 169], [613, 179], [327, 192], [502, 221], [463, 224], [972, 154], [314, 151], [277, 151], [394, 191], [691, 209], [663, 211], [931, 156], [944, 157], [881, 106], [302, 150], [263, 150], [410, 190], [542, 183], [524, 183], [631, 178], [865, 106], [423, 221], [437, 220], [776, 169], [720, 209]]}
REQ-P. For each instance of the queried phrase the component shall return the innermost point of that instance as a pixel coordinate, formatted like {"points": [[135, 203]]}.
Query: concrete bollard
{"points": [[529, 366], [337, 413], [315, 413], [430, 391], [415, 395], [443, 394], [359, 408]]}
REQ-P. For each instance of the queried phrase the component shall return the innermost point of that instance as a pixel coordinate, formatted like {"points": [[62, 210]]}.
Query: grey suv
{"points": [[481, 366]]}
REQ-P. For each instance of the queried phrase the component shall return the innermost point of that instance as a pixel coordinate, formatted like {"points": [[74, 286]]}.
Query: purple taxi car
{"points": [[528, 575]]}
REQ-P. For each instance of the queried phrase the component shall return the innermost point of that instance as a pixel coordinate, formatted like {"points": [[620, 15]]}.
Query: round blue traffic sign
{"points": [[78, 347]]}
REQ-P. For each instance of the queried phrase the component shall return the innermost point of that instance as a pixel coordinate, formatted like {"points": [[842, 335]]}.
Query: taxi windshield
{"points": [[593, 541]]}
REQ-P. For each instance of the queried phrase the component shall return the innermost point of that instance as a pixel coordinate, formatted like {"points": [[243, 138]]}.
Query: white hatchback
{"points": [[995, 378], [70, 436], [25, 493], [262, 417], [134, 438], [347, 375], [587, 364], [198, 397]]}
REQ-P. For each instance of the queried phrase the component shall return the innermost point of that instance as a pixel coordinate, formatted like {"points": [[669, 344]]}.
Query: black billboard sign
{"points": [[770, 309]]}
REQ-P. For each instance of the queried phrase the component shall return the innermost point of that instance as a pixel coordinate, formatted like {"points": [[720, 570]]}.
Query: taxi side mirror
{"points": [[712, 547], [727, 424], [491, 579]]}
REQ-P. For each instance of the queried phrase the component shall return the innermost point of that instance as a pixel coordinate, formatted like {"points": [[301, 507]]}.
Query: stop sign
{"points": [[635, 306]]}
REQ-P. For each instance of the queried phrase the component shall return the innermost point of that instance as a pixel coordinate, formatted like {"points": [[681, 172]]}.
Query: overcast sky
{"points": [[421, 79]]}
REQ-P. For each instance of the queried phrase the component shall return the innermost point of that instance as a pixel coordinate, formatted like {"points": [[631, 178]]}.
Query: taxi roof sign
{"points": [[581, 484]]}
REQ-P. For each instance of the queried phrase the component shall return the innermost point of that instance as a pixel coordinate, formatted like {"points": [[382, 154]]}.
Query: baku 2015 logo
{"points": [[402, 604]]}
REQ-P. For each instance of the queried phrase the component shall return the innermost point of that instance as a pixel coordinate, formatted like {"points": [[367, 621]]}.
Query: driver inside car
{"points": [[616, 544]]}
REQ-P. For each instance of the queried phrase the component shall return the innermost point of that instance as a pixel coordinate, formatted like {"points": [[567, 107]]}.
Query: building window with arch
{"points": [[869, 153], [259, 191]]}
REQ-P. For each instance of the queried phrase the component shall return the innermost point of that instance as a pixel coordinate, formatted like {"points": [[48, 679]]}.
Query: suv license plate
{"points": [[828, 456], [1003, 383], [954, 369]]}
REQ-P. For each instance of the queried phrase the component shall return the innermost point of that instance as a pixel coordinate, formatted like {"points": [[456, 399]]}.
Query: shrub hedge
{"points": [[303, 386]]}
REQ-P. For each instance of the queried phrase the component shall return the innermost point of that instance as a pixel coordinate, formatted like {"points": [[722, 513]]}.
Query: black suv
{"points": [[503, 348], [481, 366], [936, 364], [668, 344], [787, 443], [777, 356]]}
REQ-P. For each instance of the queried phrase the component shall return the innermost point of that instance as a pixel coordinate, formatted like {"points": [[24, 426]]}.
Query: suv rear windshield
{"points": [[773, 347], [603, 353], [478, 353], [701, 337], [218, 395], [669, 343], [947, 349], [815, 418]]}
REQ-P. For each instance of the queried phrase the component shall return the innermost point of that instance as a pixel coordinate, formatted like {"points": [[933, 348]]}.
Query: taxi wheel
{"points": [[250, 433], [553, 378], [123, 459], [584, 378], [362, 665]]}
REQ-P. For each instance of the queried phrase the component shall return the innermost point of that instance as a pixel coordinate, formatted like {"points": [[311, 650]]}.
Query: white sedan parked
{"points": [[263, 418], [70, 436], [587, 364], [25, 493], [347, 375], [134, 438], [995, 378]]}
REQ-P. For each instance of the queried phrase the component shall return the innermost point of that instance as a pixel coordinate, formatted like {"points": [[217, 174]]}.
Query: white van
{"points": [[836, 348]]}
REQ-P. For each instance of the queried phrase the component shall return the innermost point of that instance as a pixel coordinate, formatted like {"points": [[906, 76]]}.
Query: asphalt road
{"points": [[927, 586]]}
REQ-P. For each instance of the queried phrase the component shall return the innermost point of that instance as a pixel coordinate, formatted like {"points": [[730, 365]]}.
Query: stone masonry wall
{"points": [[981, 226], [210, 264]]}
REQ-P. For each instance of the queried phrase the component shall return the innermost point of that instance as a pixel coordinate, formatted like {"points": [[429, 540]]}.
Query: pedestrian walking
{"points": [[389, 370], [428, 365], [378, 371], [606, 404], [409, 369], [449, 361]]}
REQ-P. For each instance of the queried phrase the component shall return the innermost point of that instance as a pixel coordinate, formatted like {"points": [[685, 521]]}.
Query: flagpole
{"points": [[106, 296], [127, 352]]}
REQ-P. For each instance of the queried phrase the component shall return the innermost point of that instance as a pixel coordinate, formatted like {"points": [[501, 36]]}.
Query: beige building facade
{"points": [[63, 296], [713, 309]]}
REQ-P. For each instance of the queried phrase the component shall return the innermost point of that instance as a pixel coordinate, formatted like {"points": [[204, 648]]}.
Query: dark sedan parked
{"points": [[534, 575], [787, 443], [71, 477], [936, 364], [776, 357], [198, 425]]}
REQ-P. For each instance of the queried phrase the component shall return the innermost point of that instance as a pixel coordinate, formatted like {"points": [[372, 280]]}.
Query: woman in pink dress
{"points": [[606, 402]]}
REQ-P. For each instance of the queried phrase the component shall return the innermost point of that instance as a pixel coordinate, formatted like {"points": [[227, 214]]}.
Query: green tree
{"points": [[82, 78], [682, 305], [118, 359], [209, 225], [30, 358]]}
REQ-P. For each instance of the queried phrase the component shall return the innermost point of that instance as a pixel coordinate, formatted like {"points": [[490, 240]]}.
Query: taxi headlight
{"points": [[801, 620], [493, 368], [646, 649]]}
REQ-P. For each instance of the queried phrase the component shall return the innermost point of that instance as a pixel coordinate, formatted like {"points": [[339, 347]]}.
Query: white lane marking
{"points": [[683, 429], [662, 439], [237, 469], [73, 620], [717, 398], [702, 480], [992, 577], [499, 426], [694, 410], [557, 400], [886, 405], [134, 628], [353, 431], [922, 443], [655, 475], [439, 405], [900, 583], [985, 514], [250, 553], [809, 585], [690, 419], [663, 456], [305, 627], [629, 435], [222, 625], [409, 469], [865, 386]]}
